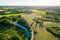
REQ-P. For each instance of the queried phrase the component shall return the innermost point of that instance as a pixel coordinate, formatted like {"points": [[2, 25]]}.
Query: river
{"points": [[23, 28]]}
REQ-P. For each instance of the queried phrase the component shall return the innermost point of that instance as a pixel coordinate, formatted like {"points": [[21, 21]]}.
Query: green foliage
{"points": [[53, 16], [23, 22], [8, 31], [2, 37], [55, 31]]}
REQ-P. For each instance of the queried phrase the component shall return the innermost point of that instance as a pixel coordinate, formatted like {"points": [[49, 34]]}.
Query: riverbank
{"points": [[23, 28]]}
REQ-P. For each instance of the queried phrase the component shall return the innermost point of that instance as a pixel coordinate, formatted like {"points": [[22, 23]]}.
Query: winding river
{"points": [[23, 28]]}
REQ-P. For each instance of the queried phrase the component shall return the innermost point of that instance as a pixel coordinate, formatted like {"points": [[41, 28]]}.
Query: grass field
{"points": [[8, 15], [41, 13], [42, 33], [54, 30]]}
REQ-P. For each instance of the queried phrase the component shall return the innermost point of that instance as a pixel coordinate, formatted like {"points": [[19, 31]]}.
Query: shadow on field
{"points": [[54, 34]]}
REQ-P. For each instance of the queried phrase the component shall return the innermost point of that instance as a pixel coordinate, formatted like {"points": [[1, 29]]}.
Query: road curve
{"points": [[32, 37]]}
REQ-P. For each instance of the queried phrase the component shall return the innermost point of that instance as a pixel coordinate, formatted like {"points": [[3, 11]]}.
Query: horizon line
{"points": [[29, 5]]}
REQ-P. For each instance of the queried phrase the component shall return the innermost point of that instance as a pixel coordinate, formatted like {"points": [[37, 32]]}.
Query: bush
{"points": [[23, 22], [2, 37], [14, 38]]}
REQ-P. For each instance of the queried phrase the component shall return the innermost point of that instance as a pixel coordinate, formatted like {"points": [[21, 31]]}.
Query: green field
{"points": [[8, 15], [55, 31]]}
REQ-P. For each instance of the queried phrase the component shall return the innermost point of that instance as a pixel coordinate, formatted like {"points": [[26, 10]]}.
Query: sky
{"points": [[30, 2]]}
